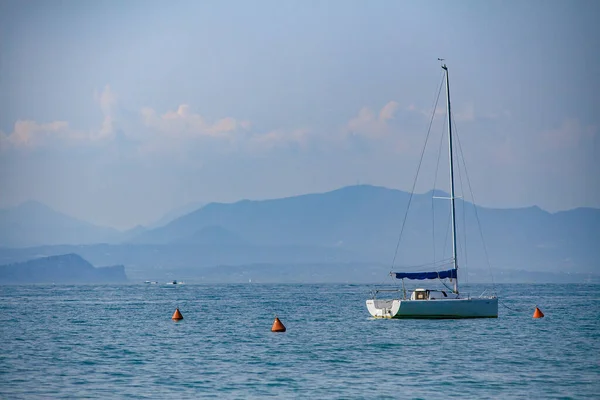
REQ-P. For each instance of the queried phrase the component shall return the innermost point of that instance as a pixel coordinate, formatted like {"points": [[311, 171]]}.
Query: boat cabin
{"points": [[425, 294]]}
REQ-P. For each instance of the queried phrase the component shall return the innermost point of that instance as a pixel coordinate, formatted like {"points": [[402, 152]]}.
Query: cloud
{"points": [[183, 123], [108, 101], [186, 134], [370, 125], [182, 131], [149, 127], [388, 111], [176, 132], [32, 134], [185, 131]]}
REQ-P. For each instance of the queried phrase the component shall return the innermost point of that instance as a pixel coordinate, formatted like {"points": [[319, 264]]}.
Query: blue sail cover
{"points": [[451, 273]]}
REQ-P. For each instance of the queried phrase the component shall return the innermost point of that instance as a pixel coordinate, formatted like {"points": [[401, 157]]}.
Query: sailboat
{"points": [[426, 303]]}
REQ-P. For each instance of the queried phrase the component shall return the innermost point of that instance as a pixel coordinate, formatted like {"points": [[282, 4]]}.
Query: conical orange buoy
{"points": [[277, 326], [538, 313], [177, 315]]}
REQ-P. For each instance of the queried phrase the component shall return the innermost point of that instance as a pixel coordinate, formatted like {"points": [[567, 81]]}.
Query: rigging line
{"points": [[447, 233], [487, 257], [460, 247], [390, 280], [511, 309], [464, 224], [437, 167], [438, 263], [433, 220], [412, 191], [464, 213], [434, 103], [446, 286]]}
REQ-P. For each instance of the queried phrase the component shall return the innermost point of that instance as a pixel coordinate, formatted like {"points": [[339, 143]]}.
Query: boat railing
{"points": [[375, 291], [487, 294]]}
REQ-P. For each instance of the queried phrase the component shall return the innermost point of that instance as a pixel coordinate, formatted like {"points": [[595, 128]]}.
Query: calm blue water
{"points": [[120, 342]]}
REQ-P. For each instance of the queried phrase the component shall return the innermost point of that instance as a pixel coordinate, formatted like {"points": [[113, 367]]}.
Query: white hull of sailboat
{"points": [[480, 307]]}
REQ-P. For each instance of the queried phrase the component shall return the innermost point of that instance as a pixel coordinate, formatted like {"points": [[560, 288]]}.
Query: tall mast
{"points": [[454, 260]]}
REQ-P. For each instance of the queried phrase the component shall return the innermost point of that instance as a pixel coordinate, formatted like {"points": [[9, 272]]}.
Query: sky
{"points": [[119, 112]]}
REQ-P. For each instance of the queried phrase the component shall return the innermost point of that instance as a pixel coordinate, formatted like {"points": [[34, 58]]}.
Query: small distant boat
{"points": [[175, 283], [424, 303], [151, 282]]}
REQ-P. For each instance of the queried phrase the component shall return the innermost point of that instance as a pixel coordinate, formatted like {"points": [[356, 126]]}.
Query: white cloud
{"points": [[108, 101], [388, 111], [30, 133], [224, 125], [183, 123], [183, 130], [368, 124]]}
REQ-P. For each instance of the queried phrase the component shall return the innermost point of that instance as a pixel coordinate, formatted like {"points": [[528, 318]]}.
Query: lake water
{"points": [[120, 342]]}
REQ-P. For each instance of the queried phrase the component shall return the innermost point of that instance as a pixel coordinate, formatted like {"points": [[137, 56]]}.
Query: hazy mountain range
{"points": [[355, 224], [35, 224]]}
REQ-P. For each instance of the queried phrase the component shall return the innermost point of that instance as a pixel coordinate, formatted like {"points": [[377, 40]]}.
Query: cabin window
{"points": [[421, 295]]}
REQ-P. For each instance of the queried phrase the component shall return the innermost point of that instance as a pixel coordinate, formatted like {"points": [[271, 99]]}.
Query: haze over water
{"points": [[120, 342]]}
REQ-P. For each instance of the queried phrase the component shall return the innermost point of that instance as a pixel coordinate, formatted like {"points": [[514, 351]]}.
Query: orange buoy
{"points": [[177, 315], [538, 313], [277, 326]]}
